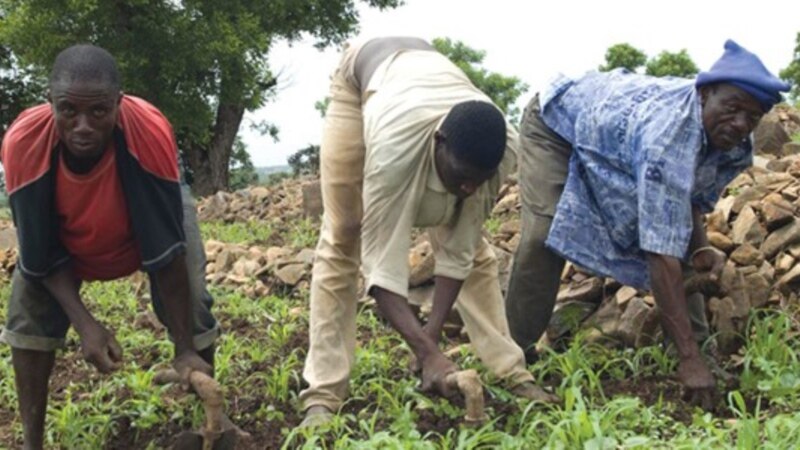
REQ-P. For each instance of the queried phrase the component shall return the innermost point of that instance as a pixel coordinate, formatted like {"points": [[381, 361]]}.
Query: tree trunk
{"points": [[210, 167]]}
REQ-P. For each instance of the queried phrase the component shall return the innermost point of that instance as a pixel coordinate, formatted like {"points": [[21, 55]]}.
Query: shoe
{"points": [[530, 391], [316, 416]]}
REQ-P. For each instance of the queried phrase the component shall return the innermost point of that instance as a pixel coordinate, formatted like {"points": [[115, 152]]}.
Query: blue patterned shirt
{"points": [[639, 163]]}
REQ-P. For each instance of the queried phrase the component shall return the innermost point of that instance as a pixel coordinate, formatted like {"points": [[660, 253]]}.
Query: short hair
{"points": [[475, 132], [85, 62]]}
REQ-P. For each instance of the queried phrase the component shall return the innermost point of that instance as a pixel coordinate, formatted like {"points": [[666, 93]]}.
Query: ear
{"points": [[49, 96], [119, 98], [705, 91], [439, 137]]}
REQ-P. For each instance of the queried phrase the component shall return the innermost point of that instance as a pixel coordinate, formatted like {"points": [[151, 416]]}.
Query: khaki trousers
{"points": [[332, 334], [536, 272]]}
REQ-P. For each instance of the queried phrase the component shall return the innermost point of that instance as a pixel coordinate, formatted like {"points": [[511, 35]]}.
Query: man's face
{"points": [[85, 113], [459, 178], [729, 115]]}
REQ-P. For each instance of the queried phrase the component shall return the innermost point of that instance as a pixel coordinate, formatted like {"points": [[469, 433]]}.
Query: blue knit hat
{"points": [[744, 70]]}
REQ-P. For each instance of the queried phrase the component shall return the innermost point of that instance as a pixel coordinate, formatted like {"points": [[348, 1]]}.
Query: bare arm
{"points": [[444, 296], [435, 366], [98, 345]]}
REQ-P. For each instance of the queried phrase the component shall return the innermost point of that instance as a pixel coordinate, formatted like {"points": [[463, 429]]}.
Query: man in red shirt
{"points": [[94, 188]]}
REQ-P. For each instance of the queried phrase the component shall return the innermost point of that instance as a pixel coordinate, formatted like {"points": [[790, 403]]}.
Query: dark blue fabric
{"points": [[745, 70]]}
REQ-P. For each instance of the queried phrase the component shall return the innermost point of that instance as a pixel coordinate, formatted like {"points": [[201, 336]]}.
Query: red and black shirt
{"points": [[125, 214]]}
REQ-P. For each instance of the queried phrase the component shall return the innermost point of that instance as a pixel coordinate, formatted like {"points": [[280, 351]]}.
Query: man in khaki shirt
{"points": [[408, 142]]}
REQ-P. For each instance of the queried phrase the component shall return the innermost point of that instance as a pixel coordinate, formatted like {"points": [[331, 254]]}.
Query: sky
{"points": [[533, 40]]}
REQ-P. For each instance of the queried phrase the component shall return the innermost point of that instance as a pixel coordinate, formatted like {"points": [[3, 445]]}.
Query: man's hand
{"points": [[708, 259], [188, 362], [100, 348], [698, 381], [435, 369]]}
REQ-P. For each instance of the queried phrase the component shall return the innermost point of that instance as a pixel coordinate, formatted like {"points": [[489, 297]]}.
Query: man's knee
{"points": [[346, 235]]}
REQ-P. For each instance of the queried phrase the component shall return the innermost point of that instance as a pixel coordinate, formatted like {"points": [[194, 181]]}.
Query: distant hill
{"points": [[265, 171]]}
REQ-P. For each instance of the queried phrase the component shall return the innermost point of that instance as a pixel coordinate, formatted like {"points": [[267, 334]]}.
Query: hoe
{"points": [[212, 436]]}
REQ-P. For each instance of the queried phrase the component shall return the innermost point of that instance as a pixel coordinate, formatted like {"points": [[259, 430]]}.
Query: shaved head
{"points": [[87, 64]]}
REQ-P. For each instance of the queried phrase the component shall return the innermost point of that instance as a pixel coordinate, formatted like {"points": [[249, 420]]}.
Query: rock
{"points": [[312, 199], [746, 228], [747, 255], [781, 238], [568, 317], [606, 319], [757, 289], [720, 241], [213, 208], [791, 148], [259, 193], [769, 136], [747, 195], [790, 281], [624, 294], [776, 213], [421, 264], [773, 180], [291, 274], [717, 222], [781, 164], [728, 339], [305, 256], [589, 290], [510, 227], [244, 267], [637, 324], [225, 260], [506, 204], [783, 263], [767, 271], [277, 254], [725, 206]]}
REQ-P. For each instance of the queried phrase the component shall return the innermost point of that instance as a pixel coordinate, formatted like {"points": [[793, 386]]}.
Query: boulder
{"points": [[747, 255], [781, 238], [624, 295], [567, 317], [291, 274], [769, 136], [638, 324], [747, 228], [312, 199], [720, 241], [588, 290]]}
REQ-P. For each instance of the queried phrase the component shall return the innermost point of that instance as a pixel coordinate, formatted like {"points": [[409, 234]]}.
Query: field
{"points": [[612, 397]]}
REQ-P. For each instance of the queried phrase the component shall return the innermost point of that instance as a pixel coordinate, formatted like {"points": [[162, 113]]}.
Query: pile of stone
{"points": [[284, 202], [257, 271]]}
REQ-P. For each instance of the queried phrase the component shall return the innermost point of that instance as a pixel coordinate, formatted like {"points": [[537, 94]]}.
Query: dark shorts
{"points": [[35, 320]]}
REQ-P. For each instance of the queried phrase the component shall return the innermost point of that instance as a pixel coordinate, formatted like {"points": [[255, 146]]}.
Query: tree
{"points": [[242, 171], [792, 72], [503, 90], [20, 88], [678, 64], [203, 62], [305, 161], [623, 55]]}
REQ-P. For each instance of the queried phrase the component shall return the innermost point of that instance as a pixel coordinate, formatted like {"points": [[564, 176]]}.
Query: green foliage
{"points": [[678, 64], [242, 171], [20, 87], [503, 90], [304, 234], [236, 232], [305, 161], [792, 72], [623, 55]]}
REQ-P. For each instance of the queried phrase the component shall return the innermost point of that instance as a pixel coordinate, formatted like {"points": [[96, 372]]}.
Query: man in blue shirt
{"points": [[616, 171]]}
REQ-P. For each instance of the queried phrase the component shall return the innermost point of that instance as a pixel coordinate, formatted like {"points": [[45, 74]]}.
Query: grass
{"points": [[260, 360], [250, 232]]}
